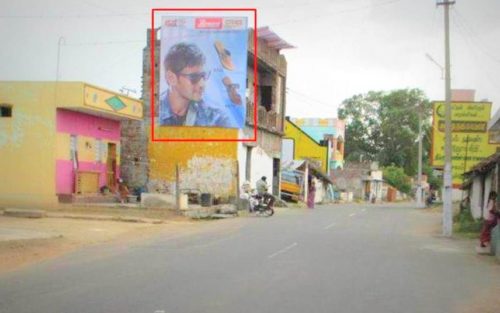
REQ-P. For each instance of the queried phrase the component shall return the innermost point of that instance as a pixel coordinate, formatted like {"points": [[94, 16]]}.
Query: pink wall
{"points": [[81, 124]]}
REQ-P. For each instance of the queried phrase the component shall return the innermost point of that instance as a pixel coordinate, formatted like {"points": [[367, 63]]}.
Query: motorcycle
{"points": [[262, 205]]}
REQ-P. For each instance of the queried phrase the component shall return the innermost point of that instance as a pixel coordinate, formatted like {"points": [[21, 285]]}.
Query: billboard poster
{"points": [[470, 140], [203, 71]]}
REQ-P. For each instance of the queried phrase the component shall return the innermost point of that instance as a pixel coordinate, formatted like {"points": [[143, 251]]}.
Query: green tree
{"points": [[362, 126], [383, 127], [399, 115], [396, 177]]}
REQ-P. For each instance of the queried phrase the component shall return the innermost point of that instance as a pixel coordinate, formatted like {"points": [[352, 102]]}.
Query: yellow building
{"points": [[304, 147], [216, 167], [58, 139], [206, 166]]}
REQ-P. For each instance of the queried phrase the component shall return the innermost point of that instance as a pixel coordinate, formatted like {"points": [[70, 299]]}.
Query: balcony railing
{"points": [[269, 120]]}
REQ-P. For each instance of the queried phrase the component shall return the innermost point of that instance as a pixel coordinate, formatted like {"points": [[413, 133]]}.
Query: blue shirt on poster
{"points": [[199, 114]]}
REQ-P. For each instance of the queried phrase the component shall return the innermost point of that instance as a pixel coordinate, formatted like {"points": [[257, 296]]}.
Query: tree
{"points": [[383, 127], [395, 176], [399, 114], [362, 131]]}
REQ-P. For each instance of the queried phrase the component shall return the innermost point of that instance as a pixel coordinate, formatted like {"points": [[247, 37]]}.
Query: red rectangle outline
{"points": [[153, 43]]}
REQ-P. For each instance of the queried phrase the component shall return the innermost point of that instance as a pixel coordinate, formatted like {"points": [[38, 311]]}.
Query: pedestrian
{"points": [[491, 220], [311, 194], [121, 191]]}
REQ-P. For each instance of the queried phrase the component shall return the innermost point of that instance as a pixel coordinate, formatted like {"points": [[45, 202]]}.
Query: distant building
{"points": [[59, 140], [298, 145], [330, 129]]}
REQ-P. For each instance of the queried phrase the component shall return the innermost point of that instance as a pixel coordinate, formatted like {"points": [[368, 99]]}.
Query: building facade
{"points": [[326, 129], [298, 145], [217, 167], [59, 139]]}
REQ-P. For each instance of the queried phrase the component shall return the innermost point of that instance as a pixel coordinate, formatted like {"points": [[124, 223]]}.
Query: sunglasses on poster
{"points": [[194, 78]]}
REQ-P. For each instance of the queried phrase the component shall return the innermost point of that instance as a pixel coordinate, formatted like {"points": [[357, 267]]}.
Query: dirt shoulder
{"points": [[26, 241]]}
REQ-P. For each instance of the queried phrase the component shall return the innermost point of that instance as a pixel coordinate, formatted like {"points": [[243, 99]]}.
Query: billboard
{"points": [[203, 71], [470, 142]]}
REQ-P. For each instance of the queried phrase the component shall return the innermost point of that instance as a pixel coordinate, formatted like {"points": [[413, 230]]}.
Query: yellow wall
{"points": [[96, 98], [27, 144], [469, 136], [305, 147], [210, 166]]}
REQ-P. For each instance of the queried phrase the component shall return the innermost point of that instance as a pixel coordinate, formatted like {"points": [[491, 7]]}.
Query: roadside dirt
{"points": [[68, 235], [485, 301]]}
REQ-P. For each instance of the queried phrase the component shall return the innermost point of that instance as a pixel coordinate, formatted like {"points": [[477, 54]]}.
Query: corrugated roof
{"points": [[272, 39], [300, 165]]}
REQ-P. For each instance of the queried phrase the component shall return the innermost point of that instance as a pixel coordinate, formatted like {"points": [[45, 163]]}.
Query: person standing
{"points": [[491, 220], [311, 195]]}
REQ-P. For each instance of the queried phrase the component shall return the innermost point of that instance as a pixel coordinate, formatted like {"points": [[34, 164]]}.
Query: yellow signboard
{"points": [[111, 102], [470, 142]]}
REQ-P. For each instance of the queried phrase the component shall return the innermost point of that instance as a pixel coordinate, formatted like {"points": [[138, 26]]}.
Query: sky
{"points": [[343, 47]]}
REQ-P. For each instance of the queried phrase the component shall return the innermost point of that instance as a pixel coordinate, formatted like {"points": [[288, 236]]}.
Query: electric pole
{"points": [[60, 42], [447, 175], [420, 203]]}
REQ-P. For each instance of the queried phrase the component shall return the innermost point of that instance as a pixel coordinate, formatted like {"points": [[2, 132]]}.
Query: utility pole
{"points": [[420, 203], [447, 175], [60, 42], [465, 163]]}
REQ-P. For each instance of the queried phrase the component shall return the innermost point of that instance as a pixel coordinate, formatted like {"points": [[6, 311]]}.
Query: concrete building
{"points": [[216, 167], [329, 129], [298, 145], [59, 139]]}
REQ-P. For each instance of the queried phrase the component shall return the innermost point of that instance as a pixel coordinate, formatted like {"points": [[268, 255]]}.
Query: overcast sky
{"points": [[344, 47]]}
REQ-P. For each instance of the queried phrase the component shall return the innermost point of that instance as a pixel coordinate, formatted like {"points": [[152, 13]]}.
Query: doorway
{"points": [[111, 165]]}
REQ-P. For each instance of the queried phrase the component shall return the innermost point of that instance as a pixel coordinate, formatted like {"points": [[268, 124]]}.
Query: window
{"points": [[5, 110], [266, 96]]}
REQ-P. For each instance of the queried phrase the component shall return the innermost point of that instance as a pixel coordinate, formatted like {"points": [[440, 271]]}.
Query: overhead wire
{"points": [[473, 51], [473, 35], [318, 16], [309, 98]]}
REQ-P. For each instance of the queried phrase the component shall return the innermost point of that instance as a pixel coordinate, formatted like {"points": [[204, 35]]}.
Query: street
{"points": [[337, 258]]}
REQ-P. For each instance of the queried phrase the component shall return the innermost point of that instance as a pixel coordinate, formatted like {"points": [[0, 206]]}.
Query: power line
{"points": [[300, 94], [75, 16], [473, 35], [335, 13], [102, 43], [470, 45]]}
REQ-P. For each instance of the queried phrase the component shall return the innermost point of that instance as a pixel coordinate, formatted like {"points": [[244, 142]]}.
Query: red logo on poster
{"points": [[171, 23], [208, 23]]}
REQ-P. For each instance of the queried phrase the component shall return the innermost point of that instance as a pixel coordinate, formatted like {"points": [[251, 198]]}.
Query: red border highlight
{"points": [[152, 106]]}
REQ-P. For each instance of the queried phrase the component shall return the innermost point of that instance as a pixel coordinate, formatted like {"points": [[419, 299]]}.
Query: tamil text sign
{"points": [[469, 136]]}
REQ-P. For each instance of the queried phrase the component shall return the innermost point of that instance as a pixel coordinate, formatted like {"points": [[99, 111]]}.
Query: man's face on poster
{"points": [[189, 83]]}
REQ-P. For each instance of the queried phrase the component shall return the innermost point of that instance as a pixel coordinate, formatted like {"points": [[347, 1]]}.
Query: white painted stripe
{"points": [[352, 214], [330, 226], [282, 250]]}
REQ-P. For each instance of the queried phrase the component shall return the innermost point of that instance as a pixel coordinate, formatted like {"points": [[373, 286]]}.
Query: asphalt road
{"points": [[341, 258]]}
